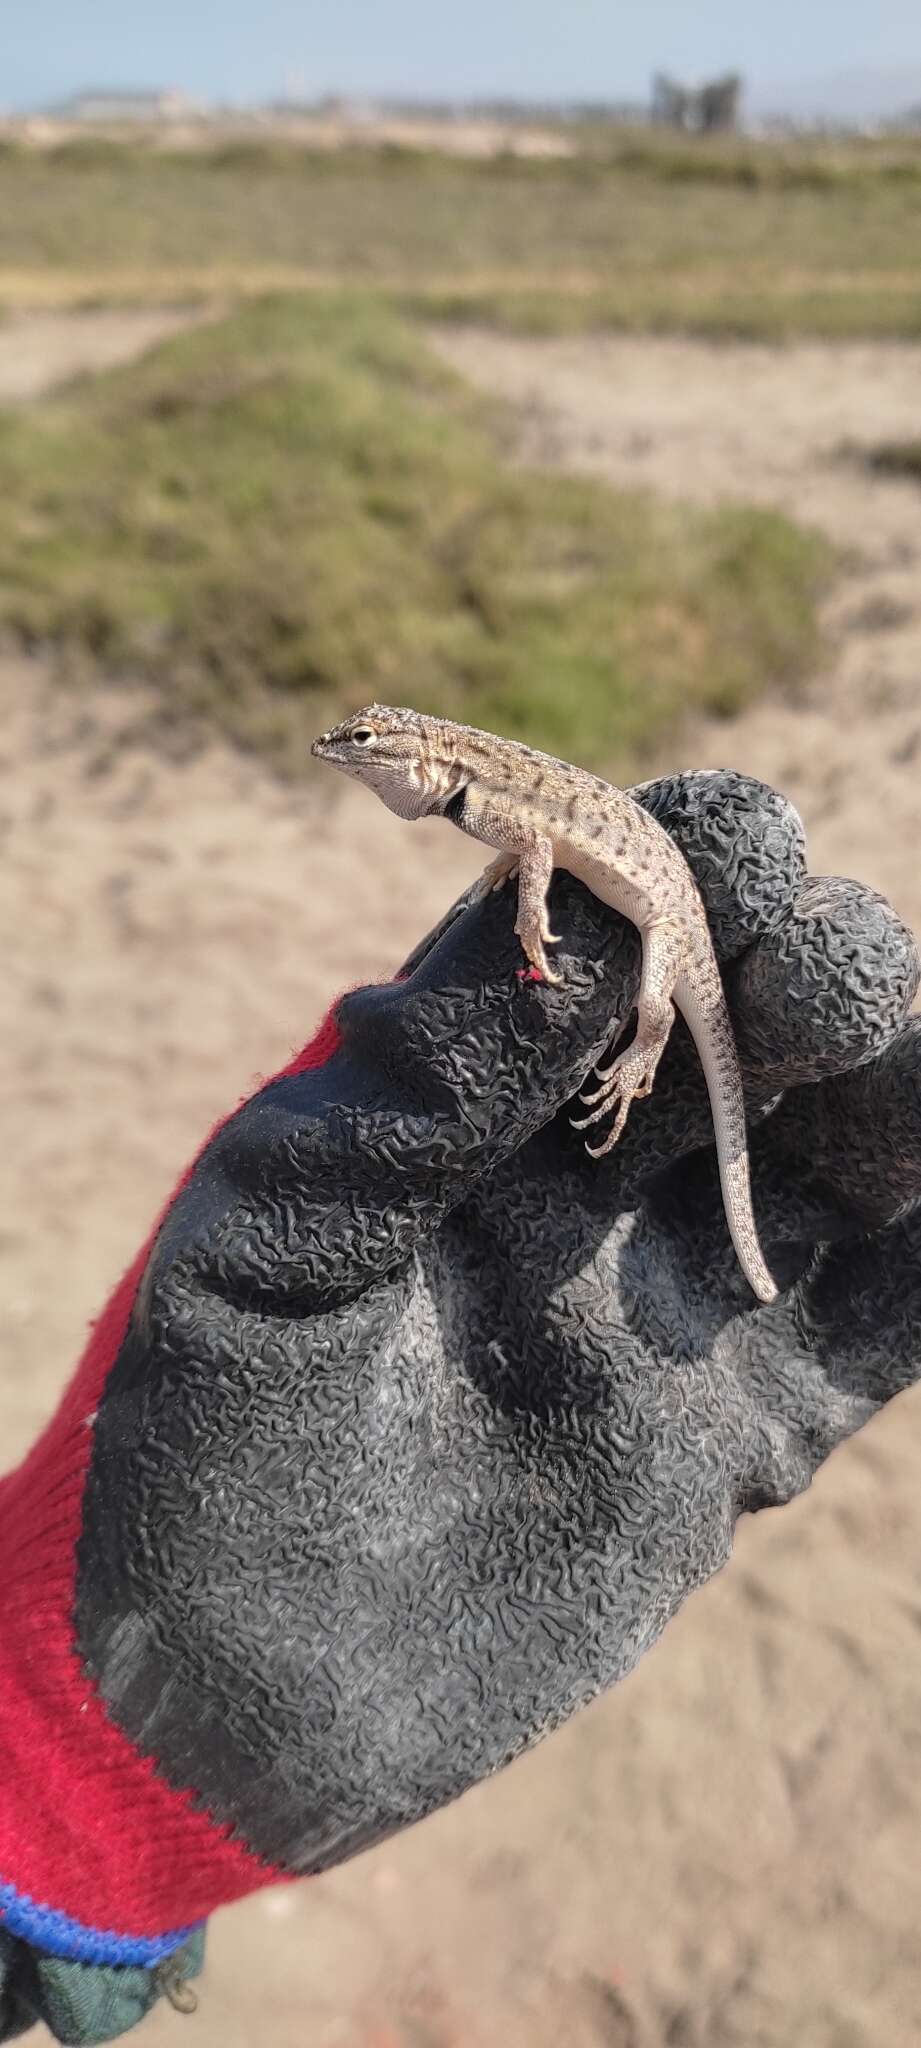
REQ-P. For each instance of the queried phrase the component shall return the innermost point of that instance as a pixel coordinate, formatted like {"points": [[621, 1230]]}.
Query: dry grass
{"points": [[633, 231]]}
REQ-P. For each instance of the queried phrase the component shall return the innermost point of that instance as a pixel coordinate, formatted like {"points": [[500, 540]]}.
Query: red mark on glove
{"points": [[528, 974]]}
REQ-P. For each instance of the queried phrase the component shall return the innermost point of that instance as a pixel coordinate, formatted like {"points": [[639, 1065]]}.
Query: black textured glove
{"points": [[423, 1424]]}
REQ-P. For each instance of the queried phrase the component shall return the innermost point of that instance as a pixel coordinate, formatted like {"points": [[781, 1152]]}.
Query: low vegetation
{"points": [[636, 230], [297, 508]]}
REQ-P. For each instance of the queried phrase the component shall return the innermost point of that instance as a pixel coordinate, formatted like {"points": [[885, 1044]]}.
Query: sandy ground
{"points": [[38, 350], [463, 136], [724, 1853], [784, 428]]}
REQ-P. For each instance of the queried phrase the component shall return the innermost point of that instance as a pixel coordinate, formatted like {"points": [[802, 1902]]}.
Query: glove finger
{"points": [[826, 989], [745, 843], [858, 1134]]}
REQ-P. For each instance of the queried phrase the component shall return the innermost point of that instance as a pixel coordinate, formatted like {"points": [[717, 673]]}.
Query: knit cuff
{"points": [[84, 2003]]}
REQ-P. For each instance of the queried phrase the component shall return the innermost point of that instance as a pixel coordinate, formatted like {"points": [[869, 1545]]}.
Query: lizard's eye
{"points": [[362, 735]]}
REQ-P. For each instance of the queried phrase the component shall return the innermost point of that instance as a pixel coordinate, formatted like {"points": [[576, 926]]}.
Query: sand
{"points": [[724, 1852]]}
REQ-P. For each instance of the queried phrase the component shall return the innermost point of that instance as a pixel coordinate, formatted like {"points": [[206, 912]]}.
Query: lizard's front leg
{"points": [[634, 1071], [535, 867], [531, 853], [519, 846]]}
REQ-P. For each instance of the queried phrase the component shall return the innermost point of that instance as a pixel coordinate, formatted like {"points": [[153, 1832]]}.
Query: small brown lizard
{"points": [[541, 814]]}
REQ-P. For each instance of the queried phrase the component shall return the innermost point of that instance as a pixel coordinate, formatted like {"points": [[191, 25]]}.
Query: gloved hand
{"points": [[413, 1426]]}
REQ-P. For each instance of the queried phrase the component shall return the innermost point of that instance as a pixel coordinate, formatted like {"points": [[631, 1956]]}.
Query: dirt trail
{"points": [[724, 1852]]}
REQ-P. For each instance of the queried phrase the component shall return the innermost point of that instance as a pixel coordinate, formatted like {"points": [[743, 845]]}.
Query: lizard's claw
{"points": [[544, 969], [540, 969], [604, 1094], [533, 945], [581, 1123], [631, 1074], [607, 1144], [612, 1098], [604, 1074]]}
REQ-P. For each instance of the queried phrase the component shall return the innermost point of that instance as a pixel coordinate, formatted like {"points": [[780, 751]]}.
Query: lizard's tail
{"points": [[702, 1003]]}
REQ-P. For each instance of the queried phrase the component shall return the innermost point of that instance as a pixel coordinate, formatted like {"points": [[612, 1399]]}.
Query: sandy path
{"points": [[724, 1853]]}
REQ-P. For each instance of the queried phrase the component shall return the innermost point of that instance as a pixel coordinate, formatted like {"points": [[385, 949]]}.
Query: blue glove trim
{"points": [[59, 1935]]}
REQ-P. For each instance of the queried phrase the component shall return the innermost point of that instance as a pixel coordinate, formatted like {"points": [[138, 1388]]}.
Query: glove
{"points": [[412, 1426]]}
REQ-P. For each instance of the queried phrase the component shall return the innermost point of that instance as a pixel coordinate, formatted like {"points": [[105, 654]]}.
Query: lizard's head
{"points": [[400, 754]]}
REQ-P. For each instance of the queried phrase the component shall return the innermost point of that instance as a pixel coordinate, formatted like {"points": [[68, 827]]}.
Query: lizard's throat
{"points": [[451, 805]]}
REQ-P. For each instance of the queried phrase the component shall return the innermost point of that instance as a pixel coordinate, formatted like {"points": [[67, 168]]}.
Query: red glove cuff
{"points": [[100, 1858]]}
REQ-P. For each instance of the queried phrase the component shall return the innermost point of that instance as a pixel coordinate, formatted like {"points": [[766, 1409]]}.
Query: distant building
{"points": [[709, 109], [104, 105]]}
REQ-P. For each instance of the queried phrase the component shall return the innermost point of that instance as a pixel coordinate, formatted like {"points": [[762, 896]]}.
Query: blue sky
{"points": [[224, 49]]}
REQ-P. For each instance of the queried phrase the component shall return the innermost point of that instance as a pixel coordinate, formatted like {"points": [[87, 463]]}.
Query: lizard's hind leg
{"points": [[633, 1072]]}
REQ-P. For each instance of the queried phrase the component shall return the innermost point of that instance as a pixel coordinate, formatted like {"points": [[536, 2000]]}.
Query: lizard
{"points": [[538, 813]]}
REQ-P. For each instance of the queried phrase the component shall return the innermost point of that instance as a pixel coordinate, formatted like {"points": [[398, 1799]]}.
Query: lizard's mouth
{"points": [[338, 753], [347, 753]]}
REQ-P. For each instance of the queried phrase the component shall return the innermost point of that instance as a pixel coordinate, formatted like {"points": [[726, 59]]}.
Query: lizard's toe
{"points": [[605, 1093], [608, 1143], [532, 941], [581, 1123]]}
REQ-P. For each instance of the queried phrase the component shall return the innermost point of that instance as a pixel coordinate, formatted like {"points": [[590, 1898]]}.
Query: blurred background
{"points": [[556, 368]]}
